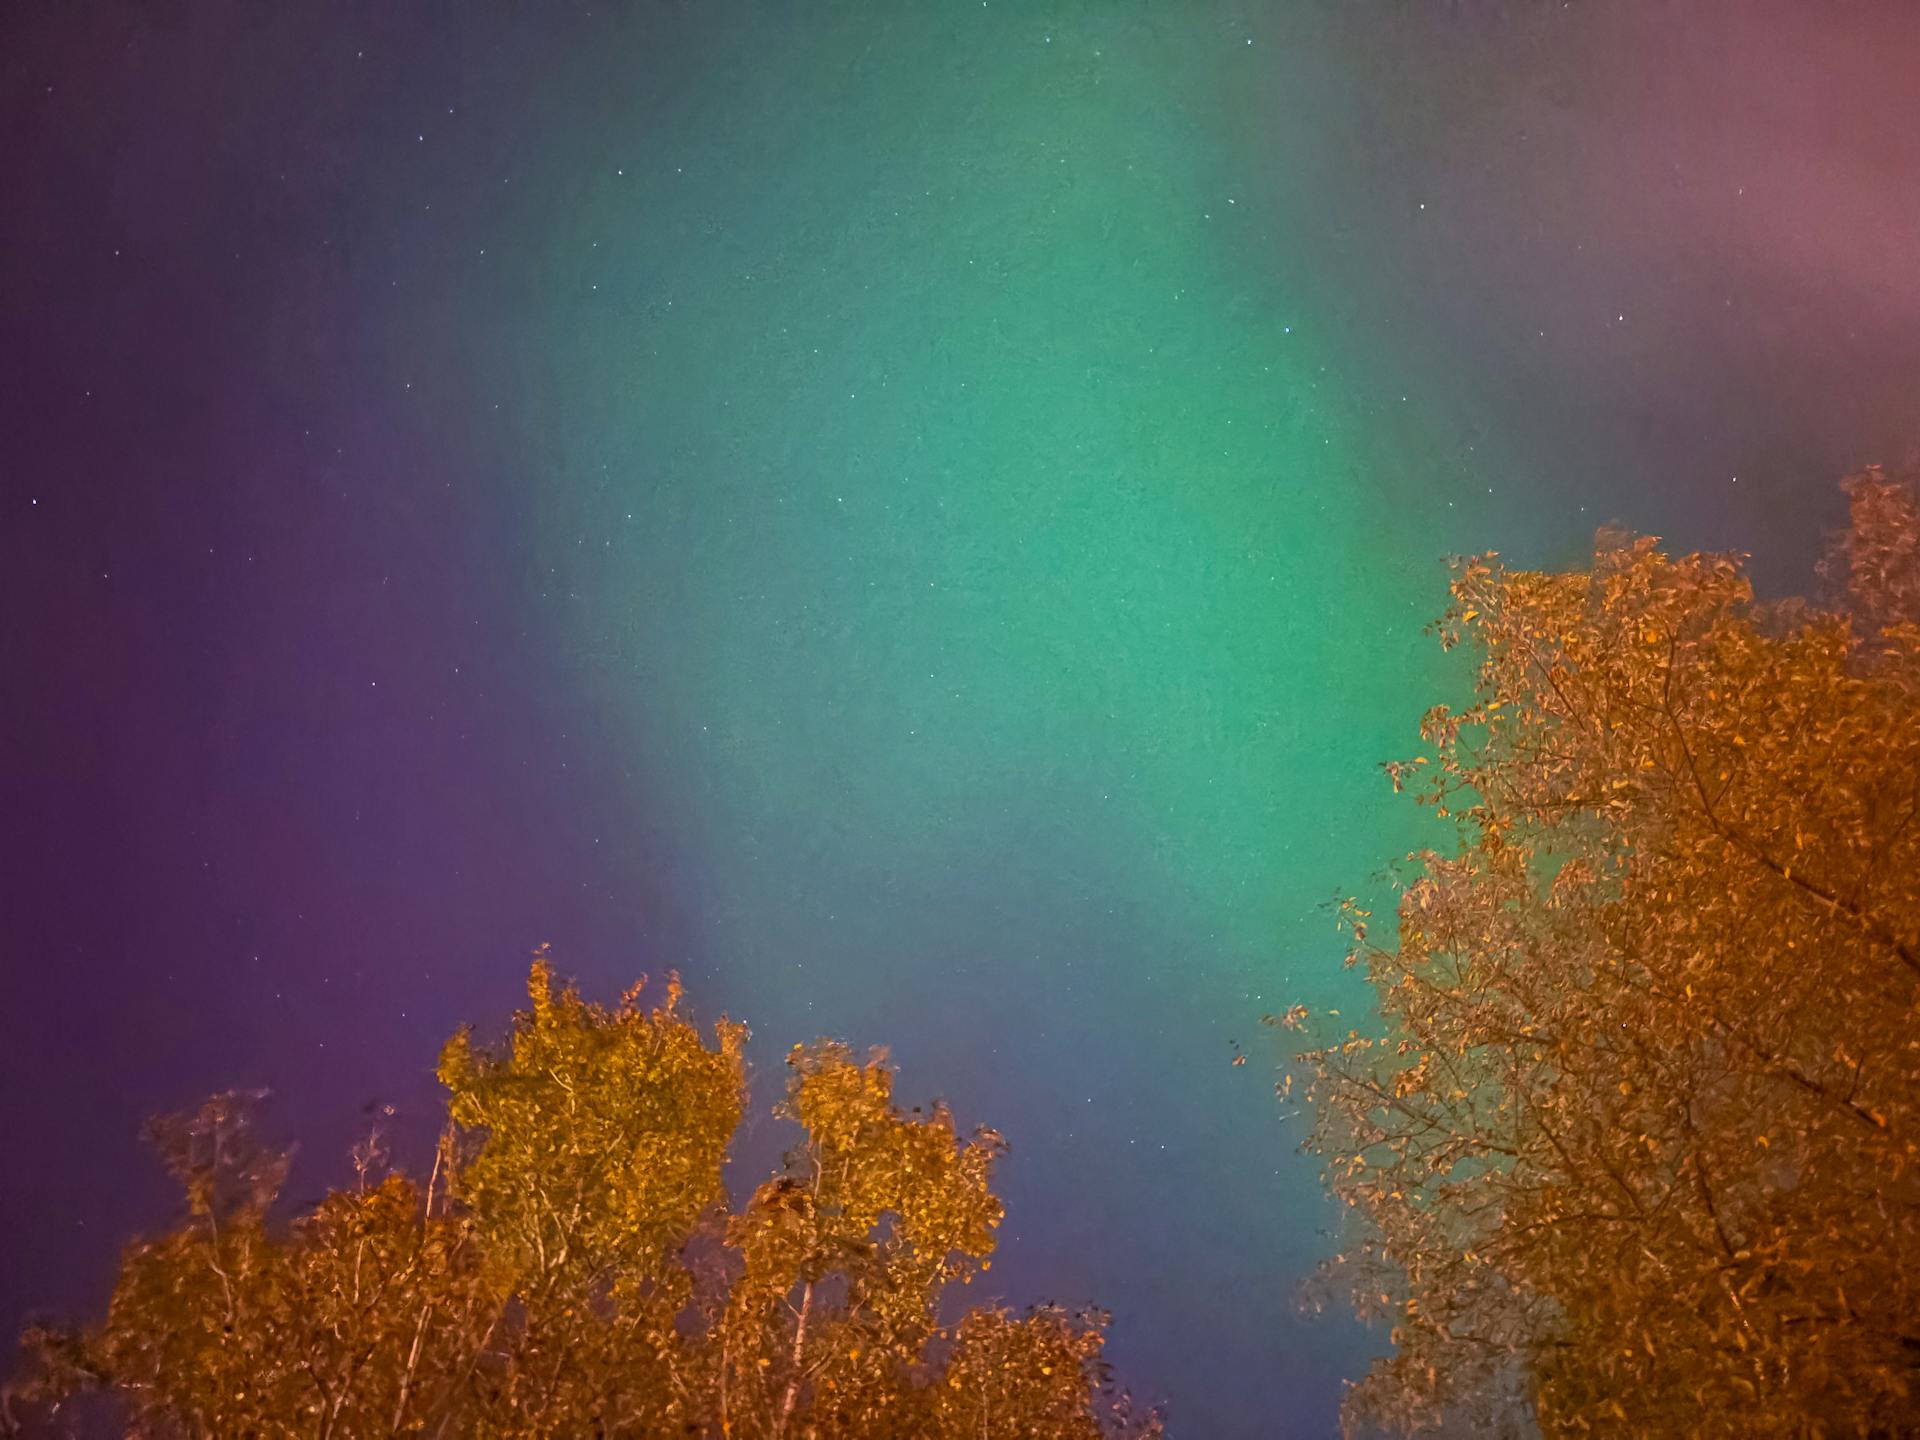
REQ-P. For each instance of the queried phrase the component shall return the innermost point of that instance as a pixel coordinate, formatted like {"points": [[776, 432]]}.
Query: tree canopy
{"points": [[571, 1265], [1635, 1151]]}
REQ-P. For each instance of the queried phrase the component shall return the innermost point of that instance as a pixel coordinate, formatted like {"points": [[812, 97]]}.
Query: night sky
{"points": [[918, 515]]}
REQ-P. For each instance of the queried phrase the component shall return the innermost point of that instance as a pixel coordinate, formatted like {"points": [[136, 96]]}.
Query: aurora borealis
{"points": [[919, 516]]}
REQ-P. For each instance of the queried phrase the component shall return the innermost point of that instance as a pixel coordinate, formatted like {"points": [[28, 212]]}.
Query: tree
{"points": [[571, 1266], [1636, 1150]]}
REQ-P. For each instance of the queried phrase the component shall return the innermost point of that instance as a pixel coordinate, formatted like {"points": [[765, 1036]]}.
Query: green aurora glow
{"points": [[1004, 598]]}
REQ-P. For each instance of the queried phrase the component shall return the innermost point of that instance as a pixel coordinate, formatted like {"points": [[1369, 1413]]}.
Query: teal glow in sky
{"points": [[996, 571]]}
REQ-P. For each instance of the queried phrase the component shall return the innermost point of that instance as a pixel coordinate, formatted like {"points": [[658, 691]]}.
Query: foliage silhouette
{"points": [[1636, 1150], [571, 1265]]}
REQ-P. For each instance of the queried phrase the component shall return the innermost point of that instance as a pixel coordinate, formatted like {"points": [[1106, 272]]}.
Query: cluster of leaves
{"points": [[571, 1266], [1639, 1148]]}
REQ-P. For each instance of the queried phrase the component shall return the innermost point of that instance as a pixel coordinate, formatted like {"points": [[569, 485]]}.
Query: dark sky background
{"points": [[426, 530]]}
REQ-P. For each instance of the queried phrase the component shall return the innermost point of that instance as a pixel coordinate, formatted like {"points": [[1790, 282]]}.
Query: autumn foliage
{"points": [[1638, 1148], [571, 1266]]}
